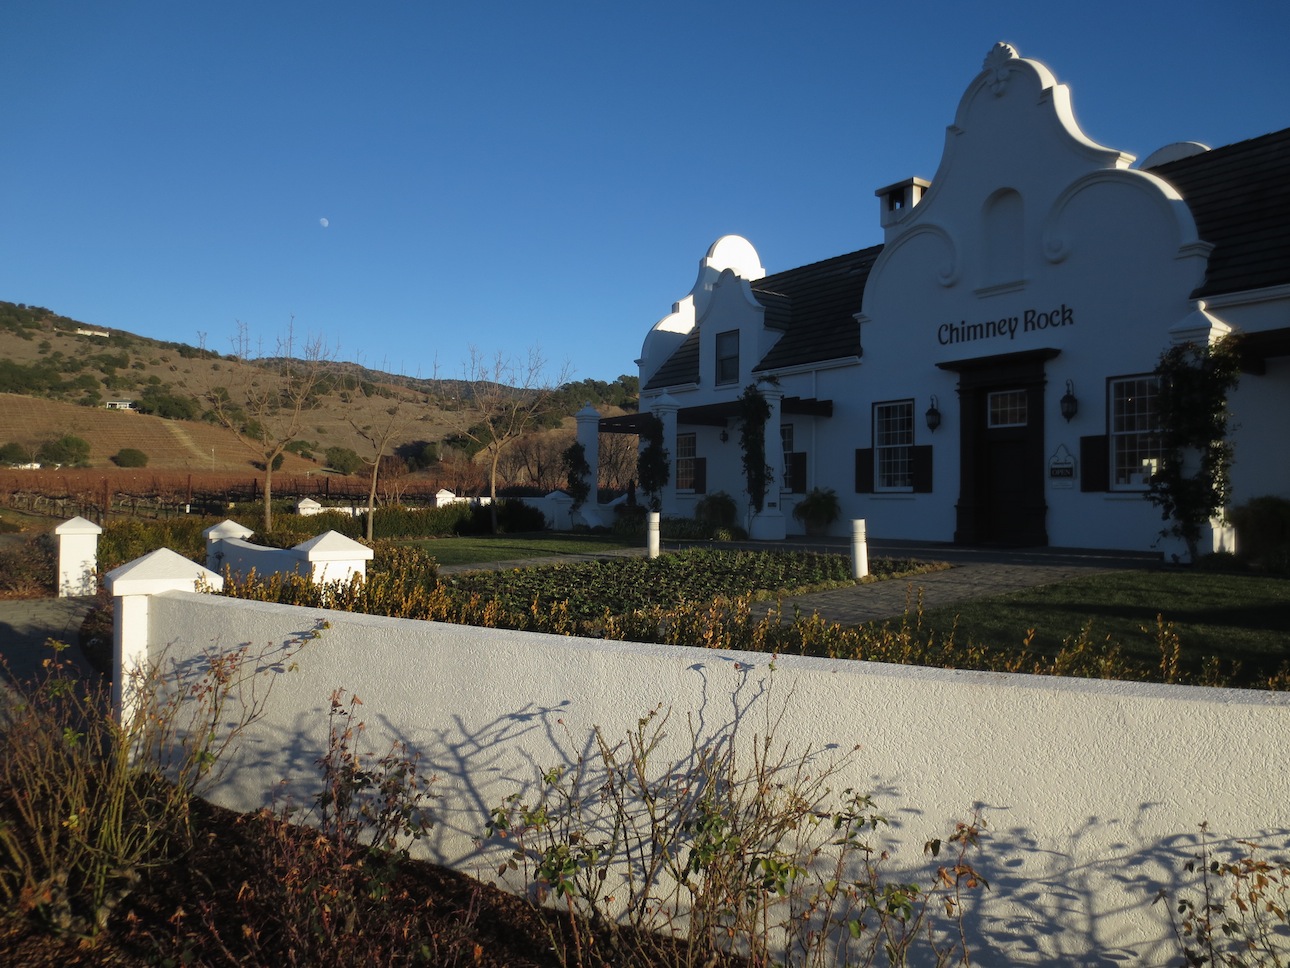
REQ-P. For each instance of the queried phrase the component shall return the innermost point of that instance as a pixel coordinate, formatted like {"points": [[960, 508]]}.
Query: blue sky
{"points": [[513, 174]]}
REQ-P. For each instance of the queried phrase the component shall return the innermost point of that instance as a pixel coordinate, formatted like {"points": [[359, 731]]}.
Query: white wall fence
{"points": [[1092, 791], [329, 557]]}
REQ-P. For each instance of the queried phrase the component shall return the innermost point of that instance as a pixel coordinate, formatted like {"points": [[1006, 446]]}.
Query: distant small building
{"points": [[101, 333], [119, 405]]}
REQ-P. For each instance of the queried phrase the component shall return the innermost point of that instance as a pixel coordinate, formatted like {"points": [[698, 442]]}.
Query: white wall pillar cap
{"points": [[665, 402], [78, 525], [226, 529], [162, 570], [1198, 326], [333, 546]]}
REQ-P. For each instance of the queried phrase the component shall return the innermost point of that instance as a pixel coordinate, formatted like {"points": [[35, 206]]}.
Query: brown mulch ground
{"points": [[196, 912]]}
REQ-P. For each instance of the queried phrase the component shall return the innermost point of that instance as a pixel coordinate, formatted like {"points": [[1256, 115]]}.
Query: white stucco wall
{"points": [[1092, 790], [1026, 216]]}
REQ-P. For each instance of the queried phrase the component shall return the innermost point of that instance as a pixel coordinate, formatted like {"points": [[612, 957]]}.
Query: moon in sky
{"points": [[323, 222]]}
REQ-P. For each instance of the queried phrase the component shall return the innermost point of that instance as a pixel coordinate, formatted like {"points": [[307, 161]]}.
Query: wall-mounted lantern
{"points": [[725, 435], [1069, 405], [933, 415]]}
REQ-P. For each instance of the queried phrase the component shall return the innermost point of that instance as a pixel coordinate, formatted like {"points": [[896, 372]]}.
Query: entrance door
{"points": [[1001, 465], [1008, 479]]}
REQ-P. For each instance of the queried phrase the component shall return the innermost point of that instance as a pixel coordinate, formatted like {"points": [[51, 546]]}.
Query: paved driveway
{"points": [[25, 625]]}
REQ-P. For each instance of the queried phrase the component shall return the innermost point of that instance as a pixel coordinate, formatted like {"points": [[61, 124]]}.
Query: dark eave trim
{"points": [[1255, 349], [1000, 359], [716, 414]]}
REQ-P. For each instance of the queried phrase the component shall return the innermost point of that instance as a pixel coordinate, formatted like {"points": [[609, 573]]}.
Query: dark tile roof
{"points": [[815, 305], [1239, 196], [681, 367]]}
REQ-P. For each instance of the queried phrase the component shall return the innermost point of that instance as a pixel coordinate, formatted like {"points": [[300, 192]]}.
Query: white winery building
{"points": [[985, 375]]}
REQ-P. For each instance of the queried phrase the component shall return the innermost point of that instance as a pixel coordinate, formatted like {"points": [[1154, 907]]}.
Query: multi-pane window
{"points": [[728, 357], [893, 442], [685, 453], [1007, 409], [1135, 431]]}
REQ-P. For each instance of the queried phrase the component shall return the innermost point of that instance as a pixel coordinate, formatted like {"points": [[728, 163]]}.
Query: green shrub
{"points": [[513, 517], [629, 521], [343, 460], [64, 450], [818, 510], [130, 538], [1263, 530], [160, 401], [14, 453], [130, 457], [717, 510], [303, 448]]}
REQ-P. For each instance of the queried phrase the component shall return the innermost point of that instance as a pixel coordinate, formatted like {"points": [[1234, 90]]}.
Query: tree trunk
{"points": [[492, 487], [371, 497], [268, 495]]}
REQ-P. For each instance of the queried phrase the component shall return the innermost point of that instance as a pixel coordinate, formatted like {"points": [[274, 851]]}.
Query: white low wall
{"points": [[328, 557], [1092, 791]]}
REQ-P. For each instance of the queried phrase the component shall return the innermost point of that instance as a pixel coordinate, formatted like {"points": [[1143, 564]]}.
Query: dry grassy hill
{"points": [[121, 366], [169, 444], [56, 374]]}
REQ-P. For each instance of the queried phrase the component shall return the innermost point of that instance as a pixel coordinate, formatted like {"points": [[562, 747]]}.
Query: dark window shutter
{"points": [[1094, 463], [796, 472], [864, 471], [700, 475], [921, 459]]}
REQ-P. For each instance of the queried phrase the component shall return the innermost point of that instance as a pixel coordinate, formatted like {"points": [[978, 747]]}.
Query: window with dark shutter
{"points": [[921, 458], [864, 470], [700, 475], [1094, 463]]}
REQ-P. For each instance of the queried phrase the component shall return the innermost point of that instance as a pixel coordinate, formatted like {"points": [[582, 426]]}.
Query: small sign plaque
{"points": [[1061, 468]]}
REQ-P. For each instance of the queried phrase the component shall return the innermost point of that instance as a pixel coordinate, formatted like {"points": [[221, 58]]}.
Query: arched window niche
{"points": [[1003, 227]]}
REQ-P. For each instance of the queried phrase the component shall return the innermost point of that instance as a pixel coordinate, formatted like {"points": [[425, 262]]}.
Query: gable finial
{"points": [[996, 63]]}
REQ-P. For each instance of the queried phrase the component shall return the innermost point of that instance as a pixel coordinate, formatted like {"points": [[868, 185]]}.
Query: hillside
{"points": [[55, 380], [169, 444]]}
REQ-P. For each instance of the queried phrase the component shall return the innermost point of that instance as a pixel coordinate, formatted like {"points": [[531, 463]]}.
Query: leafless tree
{"points": [[266, 399], [535, 459], [508, 397], [381, 436], [618, 460]]}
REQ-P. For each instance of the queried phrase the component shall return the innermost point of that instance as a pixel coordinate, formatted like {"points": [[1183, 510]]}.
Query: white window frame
{"points": [[893, 446], [1133, 431], [686, 452], [1007, 415]]}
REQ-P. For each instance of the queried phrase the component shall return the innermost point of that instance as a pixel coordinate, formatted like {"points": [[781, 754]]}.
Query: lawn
{"points": [[1238, 617]]}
